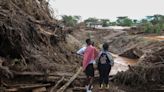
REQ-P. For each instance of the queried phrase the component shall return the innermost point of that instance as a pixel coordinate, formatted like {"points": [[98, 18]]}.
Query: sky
{"points": [[110, 9]]}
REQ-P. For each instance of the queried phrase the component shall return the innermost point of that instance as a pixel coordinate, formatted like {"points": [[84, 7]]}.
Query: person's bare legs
{"points": [[90, 82]]}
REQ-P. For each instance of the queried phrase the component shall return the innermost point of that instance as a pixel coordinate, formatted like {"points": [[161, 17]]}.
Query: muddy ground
{"points": [[137, 49]]}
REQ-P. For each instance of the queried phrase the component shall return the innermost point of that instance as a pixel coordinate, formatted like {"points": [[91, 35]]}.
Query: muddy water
{"points": [[123, 60], [121, 64]]}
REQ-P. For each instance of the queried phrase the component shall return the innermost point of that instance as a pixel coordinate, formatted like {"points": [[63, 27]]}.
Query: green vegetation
{"points": [[105, 22], [70, 21], [150, 24], [91, 22], [153, 24], [124, 21]]}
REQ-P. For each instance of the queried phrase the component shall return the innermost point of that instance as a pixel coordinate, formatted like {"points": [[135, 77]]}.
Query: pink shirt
{"points": [[89, 55]]}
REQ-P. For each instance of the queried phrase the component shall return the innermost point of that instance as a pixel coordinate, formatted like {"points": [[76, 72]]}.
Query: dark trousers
{"points": [[104, 70]]}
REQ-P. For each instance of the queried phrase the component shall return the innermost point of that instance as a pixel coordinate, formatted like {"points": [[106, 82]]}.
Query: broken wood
{"points": [[28, 86], [11, 90], [56, 85], [70, 81], [5, 70], [41, 89], [48, 79], [79, 88], [161, 90], [130, 68], [41, 74], [34, 86]]}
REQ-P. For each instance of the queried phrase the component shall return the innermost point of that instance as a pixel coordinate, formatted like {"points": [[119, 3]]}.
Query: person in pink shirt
{"points": [[89, 54]]}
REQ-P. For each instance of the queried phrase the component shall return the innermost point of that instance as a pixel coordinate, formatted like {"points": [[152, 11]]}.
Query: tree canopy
{"points": [[70, 20]]}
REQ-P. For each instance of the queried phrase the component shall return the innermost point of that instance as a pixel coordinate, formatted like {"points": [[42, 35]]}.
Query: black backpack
{"points": [[103, 59]]}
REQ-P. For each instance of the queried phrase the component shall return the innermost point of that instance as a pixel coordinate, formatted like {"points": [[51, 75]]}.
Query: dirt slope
{"points": [[32, 41]]}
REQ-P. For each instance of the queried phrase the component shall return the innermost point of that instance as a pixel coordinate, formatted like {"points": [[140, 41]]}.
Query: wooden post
{"points": [[56, 85], [70, 81]]}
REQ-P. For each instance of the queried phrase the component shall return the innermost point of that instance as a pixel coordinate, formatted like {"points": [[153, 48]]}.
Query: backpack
{"points": [[104, 59]]}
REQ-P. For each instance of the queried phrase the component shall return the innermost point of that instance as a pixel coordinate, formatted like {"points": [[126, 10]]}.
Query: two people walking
{"points": [[91, 58]]}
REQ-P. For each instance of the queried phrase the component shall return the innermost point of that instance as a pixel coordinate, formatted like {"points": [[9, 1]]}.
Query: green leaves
{"points": [[124, 21], [70, 21], [153, 24]]}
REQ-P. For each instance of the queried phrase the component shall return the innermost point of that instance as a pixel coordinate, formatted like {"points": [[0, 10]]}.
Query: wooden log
{"points": [[79, 88], [11, 90], [41, 89], [48, 79], [28, 73], [130, 68], [34, 86], [28, 86], [51, 79], [56, 85], [5, 70], [41, 74], [70, 81]]}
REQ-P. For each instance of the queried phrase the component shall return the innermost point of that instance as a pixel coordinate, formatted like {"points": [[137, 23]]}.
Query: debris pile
{"points": [[32, 46], [148, 71]]}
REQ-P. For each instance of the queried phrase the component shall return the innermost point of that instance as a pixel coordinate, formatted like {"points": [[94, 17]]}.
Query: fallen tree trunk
{"points": [[70, 81], [41, 74], [13, 88], [26, 86], [79, 88]]}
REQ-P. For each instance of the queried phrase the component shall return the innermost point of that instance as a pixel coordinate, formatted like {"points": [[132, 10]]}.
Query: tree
{"points": [[105, 22], [113, 23], [78, 18], [124, 21], [135, 22], [70, 20], [157, 19], [91, 21]]}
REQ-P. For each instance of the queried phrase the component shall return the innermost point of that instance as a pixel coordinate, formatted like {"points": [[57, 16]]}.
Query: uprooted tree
{"points": [[30, 39]]}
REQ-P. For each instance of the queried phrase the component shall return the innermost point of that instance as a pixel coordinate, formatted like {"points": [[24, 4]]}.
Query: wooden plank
{"points": [[11, 90], [70, 81], [56, 85], [26, 86], [41, 74], [42, 89], [79, 88], [34, 86]]}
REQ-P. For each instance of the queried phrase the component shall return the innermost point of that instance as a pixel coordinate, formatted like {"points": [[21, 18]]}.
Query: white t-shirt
{"points": [[81, 52]]}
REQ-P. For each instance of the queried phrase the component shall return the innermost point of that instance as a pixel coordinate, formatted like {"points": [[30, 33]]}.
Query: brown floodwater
{"points": [[123, 60], [121, 64]]}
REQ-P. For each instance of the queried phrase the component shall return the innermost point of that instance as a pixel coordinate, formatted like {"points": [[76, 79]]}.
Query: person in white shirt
{"points": [[89, 53]]}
